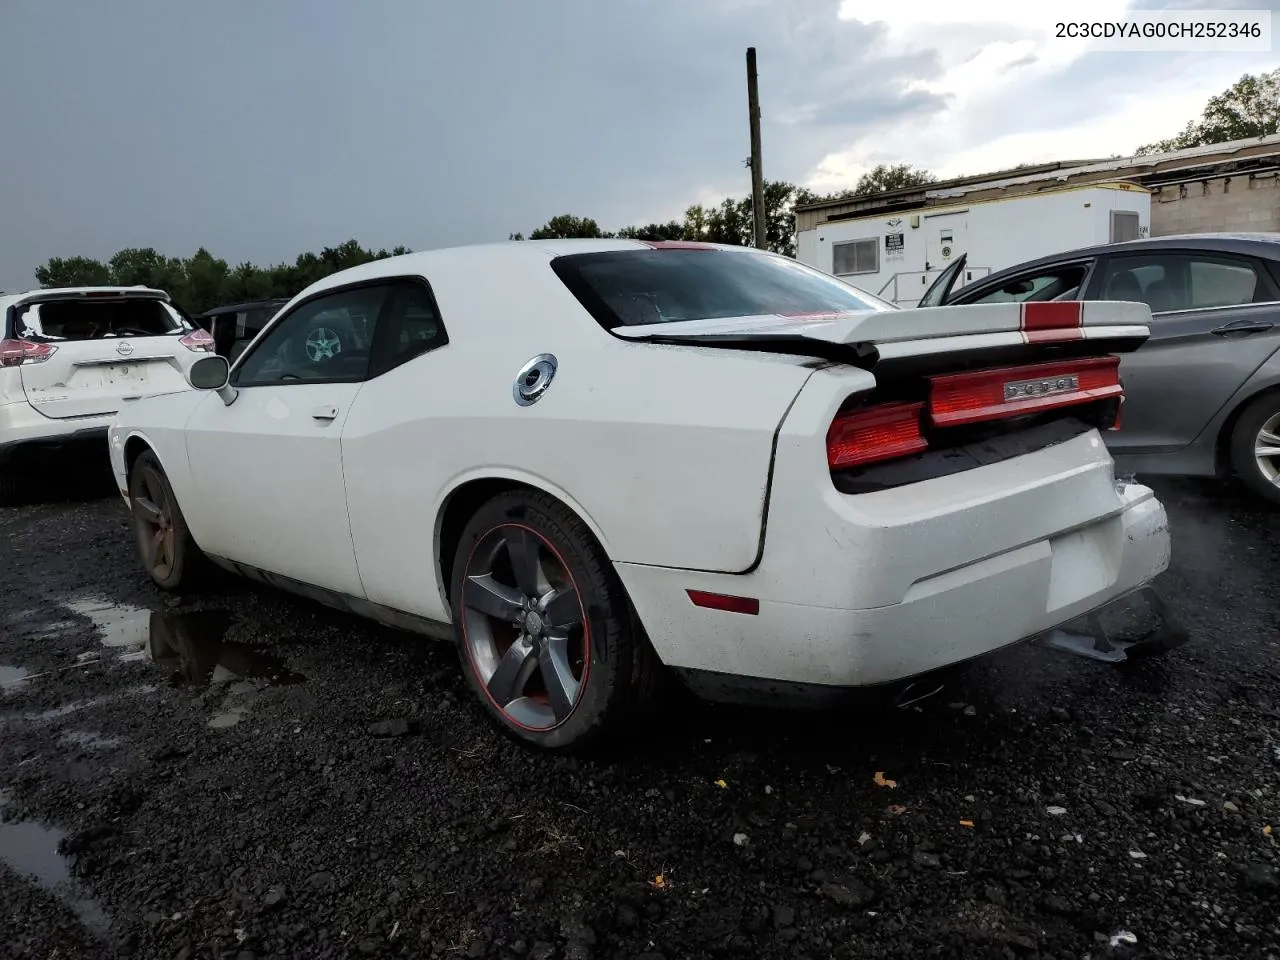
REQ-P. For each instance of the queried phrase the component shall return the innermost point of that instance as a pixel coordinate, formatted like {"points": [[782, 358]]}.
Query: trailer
{"points": [[898, 250]]}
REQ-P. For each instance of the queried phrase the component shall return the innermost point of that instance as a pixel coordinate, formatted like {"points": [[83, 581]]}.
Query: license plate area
{"points": [[98, 376], [978, 396]]}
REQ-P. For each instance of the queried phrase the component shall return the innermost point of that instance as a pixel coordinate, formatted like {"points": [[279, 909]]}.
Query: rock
{"points": [[1230, 807], [321, 880], [783, 915], [922, 858], [740, 840], [275, 898], [369, 946], [541, 950], [994, 894], [853, 895], [400, 727], [1105, 808], [1058, 904], [971, 711], [1060, 714], [1259, 876]]}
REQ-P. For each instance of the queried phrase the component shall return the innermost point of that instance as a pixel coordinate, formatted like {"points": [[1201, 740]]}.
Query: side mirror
{"points": [[213, 373]]}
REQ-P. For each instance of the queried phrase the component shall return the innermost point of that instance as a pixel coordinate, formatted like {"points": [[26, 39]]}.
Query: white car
{"points": [[586, 460], [70, 357]]}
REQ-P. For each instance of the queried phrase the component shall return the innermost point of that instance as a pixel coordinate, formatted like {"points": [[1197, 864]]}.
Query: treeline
{"points": [[203, 281], [732, 221], [1250, 107]]}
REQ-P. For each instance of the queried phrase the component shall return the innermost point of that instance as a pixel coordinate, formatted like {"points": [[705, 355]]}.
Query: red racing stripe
{"points": [[1052, 321]]}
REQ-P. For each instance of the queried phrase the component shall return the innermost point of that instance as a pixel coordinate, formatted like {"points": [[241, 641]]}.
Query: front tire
{"points": [[169, 555], [545, 633], [1255, 447]]}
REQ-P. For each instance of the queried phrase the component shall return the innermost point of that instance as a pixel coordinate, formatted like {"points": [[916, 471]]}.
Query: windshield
{"points": [[638, 287]]}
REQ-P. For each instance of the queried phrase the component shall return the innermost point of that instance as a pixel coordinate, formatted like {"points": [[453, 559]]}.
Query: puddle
{"points": [[120, 626], [193, 646], [11, 678], [30, 849]]}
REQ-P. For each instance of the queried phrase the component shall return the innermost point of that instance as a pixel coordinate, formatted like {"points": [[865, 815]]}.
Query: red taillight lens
{"points": [[961, 398], [875, 433], [14, 353], [722, 601], [198, 340]]}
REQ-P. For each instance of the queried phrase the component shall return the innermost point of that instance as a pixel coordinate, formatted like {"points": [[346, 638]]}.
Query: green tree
{"points": [[202, 280], [73, 272], [566, 226], [1250, 107]]}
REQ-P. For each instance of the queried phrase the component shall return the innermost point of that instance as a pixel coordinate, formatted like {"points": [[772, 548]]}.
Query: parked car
{"points": [[70, 357], [1203, 394], [630, 455], [234, 325]]}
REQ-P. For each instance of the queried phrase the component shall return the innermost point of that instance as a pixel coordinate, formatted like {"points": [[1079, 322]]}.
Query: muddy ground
{"points": [[246, 775]]}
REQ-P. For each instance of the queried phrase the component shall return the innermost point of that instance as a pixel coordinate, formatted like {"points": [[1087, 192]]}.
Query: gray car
{"points": [[1202, 395]]}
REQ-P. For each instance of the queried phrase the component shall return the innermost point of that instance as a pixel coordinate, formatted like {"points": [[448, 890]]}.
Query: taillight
{"points": [[960, 398], [14, 353], [875, 433], [198, 340]]}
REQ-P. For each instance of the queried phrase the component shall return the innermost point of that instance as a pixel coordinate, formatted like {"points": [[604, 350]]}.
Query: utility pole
{"points": [[757, 167]]}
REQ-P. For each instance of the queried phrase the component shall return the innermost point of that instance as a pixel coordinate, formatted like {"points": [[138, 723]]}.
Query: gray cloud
{"points": [[264, 129]]}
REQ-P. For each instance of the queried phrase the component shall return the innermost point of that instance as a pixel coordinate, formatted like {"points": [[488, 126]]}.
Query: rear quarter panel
{"points": [[663, 451]]}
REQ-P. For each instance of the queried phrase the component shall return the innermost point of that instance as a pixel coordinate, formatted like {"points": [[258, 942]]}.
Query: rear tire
{"points": [[1259, 421], [11, 488], [169, 554], [546, 635]]}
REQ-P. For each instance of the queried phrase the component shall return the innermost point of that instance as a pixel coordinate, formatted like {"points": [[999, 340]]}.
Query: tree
{"points": [[202, 280], [1250, 107], [566, 226], [73, 272]]}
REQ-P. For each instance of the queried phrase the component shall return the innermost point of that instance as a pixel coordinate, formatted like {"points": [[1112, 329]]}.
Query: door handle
{"points": [[325, 413], [1242, 327]]}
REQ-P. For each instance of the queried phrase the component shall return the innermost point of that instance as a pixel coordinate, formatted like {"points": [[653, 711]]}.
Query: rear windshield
{"points": [[97, 318], [638, 287]]}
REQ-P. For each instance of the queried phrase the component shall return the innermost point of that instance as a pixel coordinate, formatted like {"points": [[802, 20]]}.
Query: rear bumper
{"points": [[939, 612], [25, 432]]}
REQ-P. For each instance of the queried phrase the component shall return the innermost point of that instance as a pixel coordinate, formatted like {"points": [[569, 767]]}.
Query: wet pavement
{"points": [[243, 774]]}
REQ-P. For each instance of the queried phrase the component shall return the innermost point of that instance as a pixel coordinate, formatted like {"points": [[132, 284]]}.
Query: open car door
{"points": [[940, 289]]}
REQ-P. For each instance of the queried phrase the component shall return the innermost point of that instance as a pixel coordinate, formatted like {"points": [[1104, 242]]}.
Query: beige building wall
{"points": [[1226, 204]]}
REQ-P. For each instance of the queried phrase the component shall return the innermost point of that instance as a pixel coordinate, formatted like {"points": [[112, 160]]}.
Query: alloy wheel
{"points": [[1266, 449], [154, 516], [524, 626]]}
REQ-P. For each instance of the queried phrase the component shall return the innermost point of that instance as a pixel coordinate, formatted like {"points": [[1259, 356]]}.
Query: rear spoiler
{"points": [[913, 338], [92, 293]]}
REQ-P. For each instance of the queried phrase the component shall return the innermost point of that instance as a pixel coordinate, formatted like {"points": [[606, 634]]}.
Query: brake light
{"points": [[14, 353], [961, 398], [875, 433], [198, 340]]}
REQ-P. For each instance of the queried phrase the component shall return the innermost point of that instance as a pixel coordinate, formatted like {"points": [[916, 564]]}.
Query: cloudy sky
{"points": [[261, 129]]}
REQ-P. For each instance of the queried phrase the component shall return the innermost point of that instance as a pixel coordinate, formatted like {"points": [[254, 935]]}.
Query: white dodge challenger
{"points": [[585, 461]]}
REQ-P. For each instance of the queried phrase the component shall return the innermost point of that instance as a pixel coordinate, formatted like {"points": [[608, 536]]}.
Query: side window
{"points": [[1180, 281], [1056, 284], [1222, 284], [855, 256], [324, 340], [410, 327]]}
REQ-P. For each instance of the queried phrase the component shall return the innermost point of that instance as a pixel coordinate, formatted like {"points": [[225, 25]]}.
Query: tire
{"points": [[510, 644], [1263, 478], [169, 555], [11, 488]]}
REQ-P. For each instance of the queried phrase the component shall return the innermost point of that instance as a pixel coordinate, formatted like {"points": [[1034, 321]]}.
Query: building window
{"points": [[856, 256], [1124, 226]]}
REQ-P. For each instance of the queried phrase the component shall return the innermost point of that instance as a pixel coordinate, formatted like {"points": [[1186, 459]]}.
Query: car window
{"points": [[410, 327], [96, 317], [326, 339], [1179, 281], [1051, 284], [638, 287]]}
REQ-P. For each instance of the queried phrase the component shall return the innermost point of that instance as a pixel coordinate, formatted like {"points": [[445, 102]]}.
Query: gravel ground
{"points": [[246, 775]]}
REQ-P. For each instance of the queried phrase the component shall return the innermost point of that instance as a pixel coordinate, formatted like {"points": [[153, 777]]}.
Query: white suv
{"points": [[70, 357]]}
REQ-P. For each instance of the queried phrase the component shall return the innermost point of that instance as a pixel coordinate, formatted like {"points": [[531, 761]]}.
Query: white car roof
{"points": [[487, 255]]}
